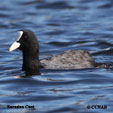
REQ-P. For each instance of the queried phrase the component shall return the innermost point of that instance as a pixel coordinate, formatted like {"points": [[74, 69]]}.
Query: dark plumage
{"points": [[72, 59], [28, 44]]}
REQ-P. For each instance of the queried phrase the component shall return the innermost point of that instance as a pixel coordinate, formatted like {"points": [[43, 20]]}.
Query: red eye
{"points": [[25, 37]]}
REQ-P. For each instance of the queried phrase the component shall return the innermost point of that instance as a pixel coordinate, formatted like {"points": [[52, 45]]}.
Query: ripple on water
{"points": [[59, 25]]}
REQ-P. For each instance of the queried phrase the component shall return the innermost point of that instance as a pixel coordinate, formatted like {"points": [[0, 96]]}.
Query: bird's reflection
{"points": [[29, 73]]}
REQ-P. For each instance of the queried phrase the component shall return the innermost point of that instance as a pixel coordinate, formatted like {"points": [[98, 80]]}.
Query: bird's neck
{"points": [[30, 61]]}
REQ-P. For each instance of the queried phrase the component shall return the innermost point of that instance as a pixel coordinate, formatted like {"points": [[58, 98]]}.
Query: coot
{"points": [[71, 59]]}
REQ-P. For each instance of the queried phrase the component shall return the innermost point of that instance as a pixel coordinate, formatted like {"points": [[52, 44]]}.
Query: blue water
{"points": [[59, 25]]}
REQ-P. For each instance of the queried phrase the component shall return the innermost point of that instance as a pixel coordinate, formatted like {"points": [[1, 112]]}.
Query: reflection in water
{"points": [[30, 73]]}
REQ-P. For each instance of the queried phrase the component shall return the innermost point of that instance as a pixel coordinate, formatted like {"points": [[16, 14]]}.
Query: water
{"points": [[59, 25]]}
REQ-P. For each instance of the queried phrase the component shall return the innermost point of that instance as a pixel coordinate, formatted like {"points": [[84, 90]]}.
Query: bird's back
{"points": [[72, 59]]}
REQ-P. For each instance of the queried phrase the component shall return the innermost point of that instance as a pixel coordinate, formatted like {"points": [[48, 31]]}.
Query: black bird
{"points": [[28, 44]]}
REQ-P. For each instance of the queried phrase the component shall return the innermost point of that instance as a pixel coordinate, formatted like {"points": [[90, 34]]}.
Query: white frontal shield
{"points": [[16, 44]]}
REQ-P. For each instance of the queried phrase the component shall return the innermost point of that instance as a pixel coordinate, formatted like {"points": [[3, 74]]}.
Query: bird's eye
{"points": [[25, 37]]}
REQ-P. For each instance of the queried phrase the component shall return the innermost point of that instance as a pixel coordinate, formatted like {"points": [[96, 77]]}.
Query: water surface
{"points": [[60, 25]]}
